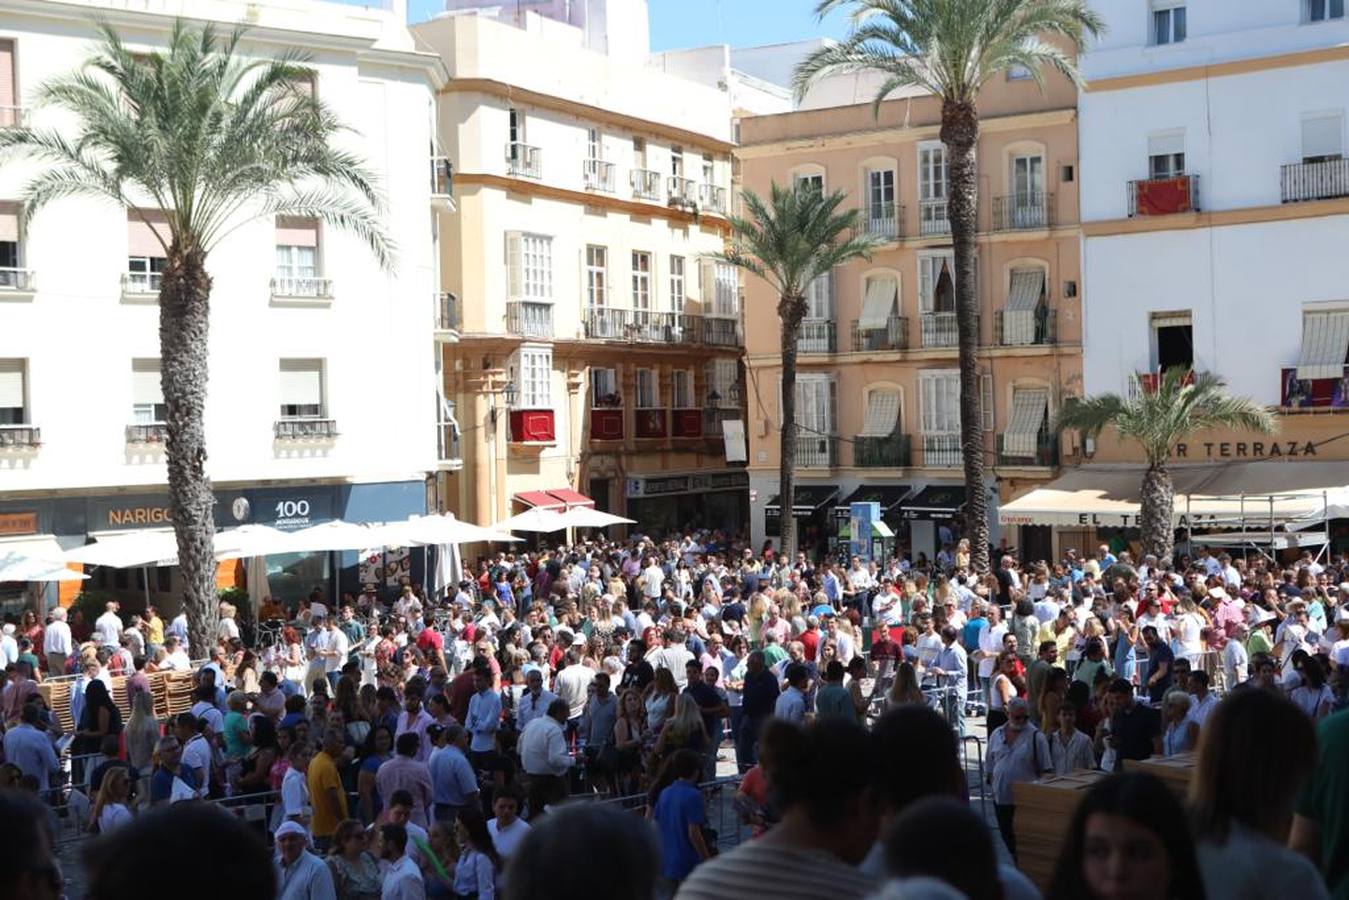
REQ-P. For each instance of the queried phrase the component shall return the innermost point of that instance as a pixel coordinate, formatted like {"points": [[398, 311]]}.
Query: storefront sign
{"points": [[1110, 520], [1271, 449], [115, 515], [18, 523], [687, 484], [290, 511]]}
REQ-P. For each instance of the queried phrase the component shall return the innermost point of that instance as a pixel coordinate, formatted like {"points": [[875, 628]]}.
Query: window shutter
{"points": [[926, 403], [7, 97], [142, 226], [11, 384], [833, 406], [294, 231], [9, 221], [986, 401], [301, 382], [707, 284], [1166, 144], [145, 383], [515, 275], [1322, 136]]}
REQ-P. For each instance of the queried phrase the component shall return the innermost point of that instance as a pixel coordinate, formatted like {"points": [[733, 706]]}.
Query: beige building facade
{"points": [[878, 386]]}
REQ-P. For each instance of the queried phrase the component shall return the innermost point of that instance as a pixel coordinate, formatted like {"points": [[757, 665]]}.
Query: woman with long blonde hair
{"points": [[110, 809], [758, 611], [684, 730], [905, 690], [142, 731]]}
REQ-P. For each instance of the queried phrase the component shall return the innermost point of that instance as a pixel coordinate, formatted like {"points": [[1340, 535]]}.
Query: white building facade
{"points": [[322, 393]]}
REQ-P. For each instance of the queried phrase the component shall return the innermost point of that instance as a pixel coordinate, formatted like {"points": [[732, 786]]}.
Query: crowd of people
{"points": [[414, 746]]}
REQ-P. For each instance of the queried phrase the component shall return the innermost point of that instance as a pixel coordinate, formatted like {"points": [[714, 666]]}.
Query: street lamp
{"points": [[509, 394]]}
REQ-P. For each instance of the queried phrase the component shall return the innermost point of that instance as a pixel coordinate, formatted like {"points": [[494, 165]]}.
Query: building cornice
{"points": [[1219, 70], [1251, 215], [586, 111], [875, 136], [606, 202]]}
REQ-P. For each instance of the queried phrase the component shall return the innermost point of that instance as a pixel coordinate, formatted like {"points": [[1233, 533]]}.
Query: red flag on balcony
{"points": [[1163, 196]]}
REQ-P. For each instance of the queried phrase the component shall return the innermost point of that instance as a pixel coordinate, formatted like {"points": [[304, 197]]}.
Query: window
{"points": [[1028, 178], [880, 194], [641, 279], [682, 389], [9, 242], [932, 172], [709, 172], [1166, 155], [1067, 174], [594, 146], [147, 396], [939, 391], [536, 377], [597, 277], [1322, 138], [8, 98], [603, 387], [815, 181], [517, 126], [13, 392], [302, 389], [722, 376], [1018, 73], [1168, 21], [297, 254], [677, 283], [820, 298], [1325, 348], [882, 413], [1322, 10], [816, 405], [529, 261], [986, 401], [936, 283], [648, 389], [639, 153], [1172, 341], [147, 238], [677, 162], [721, 290]]}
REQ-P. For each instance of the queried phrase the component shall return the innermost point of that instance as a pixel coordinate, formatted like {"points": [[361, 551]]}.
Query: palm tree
{"points": [[215, 141], [952, 48], [1157, 419], [797, 237]]}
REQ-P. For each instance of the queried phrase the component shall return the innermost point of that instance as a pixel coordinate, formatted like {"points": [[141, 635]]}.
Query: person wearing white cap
{"points": [[300, 875], [9, 647]]}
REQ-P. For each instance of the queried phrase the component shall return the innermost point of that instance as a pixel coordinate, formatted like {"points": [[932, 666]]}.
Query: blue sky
{"points": [[696, 23]]}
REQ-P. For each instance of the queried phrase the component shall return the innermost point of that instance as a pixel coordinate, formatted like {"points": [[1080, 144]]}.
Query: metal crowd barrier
{"points": [[718, 794]]}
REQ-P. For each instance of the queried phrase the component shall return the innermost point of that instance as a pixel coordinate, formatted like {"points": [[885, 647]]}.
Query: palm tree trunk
{"points": [[183, 327], [960, 133], [1155, 513], [791, 310]]}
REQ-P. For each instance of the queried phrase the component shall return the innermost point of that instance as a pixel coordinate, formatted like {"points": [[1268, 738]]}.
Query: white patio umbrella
{"points": [[248, 541], [540, 520], [443, 529], [128, 551], [255, 572], [339, 535], [15, 566], [589, 517]]}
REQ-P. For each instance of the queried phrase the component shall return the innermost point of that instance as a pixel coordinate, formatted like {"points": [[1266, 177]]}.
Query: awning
{"points": [[1325, 343], [540, 500], [34, 557], [733, 440], [1018, 319], [888, 496], [1279, 540], [1206, 495], [1029, 408], [882, 414], [809, 499], [572, 499], [879, 303], [936, 501], [128, 549]]}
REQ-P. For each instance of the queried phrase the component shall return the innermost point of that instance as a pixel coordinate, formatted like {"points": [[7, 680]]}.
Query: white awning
{"points": [[1325, 343], [20, 567], [1029, 408], [733, 436], [879, 303], [1018, 318], [882, 414], [128, 549]]}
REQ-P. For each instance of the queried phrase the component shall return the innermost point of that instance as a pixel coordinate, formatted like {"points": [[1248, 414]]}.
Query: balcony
{"points": [[688, 423], [147, 433], [712, 198], [882, 221], [1163, 196], [720, 331], [932, 218], [1046, 453], [651, 424], [524, 161], [1007, 332], [817, 336], [141, 287], [598, 175], [532, 426], [531, 319], [681, 191], [447, 313], [645, 184], [606, 423], [890, 452], [603, 323], [442, 183], [894, 336], [449, 456], [1021, 212], [942, 451], [1315, 180], [304, 429], [20, 437], [816, 451], [13, 116], [17, 281], [291, 287], [939, 330]]}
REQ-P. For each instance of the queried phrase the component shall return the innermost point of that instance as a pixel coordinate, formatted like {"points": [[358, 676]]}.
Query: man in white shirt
{"points": [[507, 829], [300, 875], [534, 702], [57, 644], [295, 788], [177, 659], [572, 684], [672, 655], [402, 879], [108, 627], [179, 627], [544, 757], [1202, 702], [9, 647], [196, 750], [334, 650], [652, 580]]}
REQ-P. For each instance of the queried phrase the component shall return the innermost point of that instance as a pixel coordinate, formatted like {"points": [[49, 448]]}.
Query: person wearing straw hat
{"points": [[300, 875]]}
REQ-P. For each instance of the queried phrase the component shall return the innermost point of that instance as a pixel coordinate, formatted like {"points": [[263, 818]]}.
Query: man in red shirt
{"points": [[433, 646], [810, 638]]}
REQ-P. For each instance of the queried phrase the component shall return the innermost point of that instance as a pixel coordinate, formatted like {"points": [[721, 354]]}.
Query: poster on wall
{"points": [[370, 569], [397, 566], [1312, 393]]}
